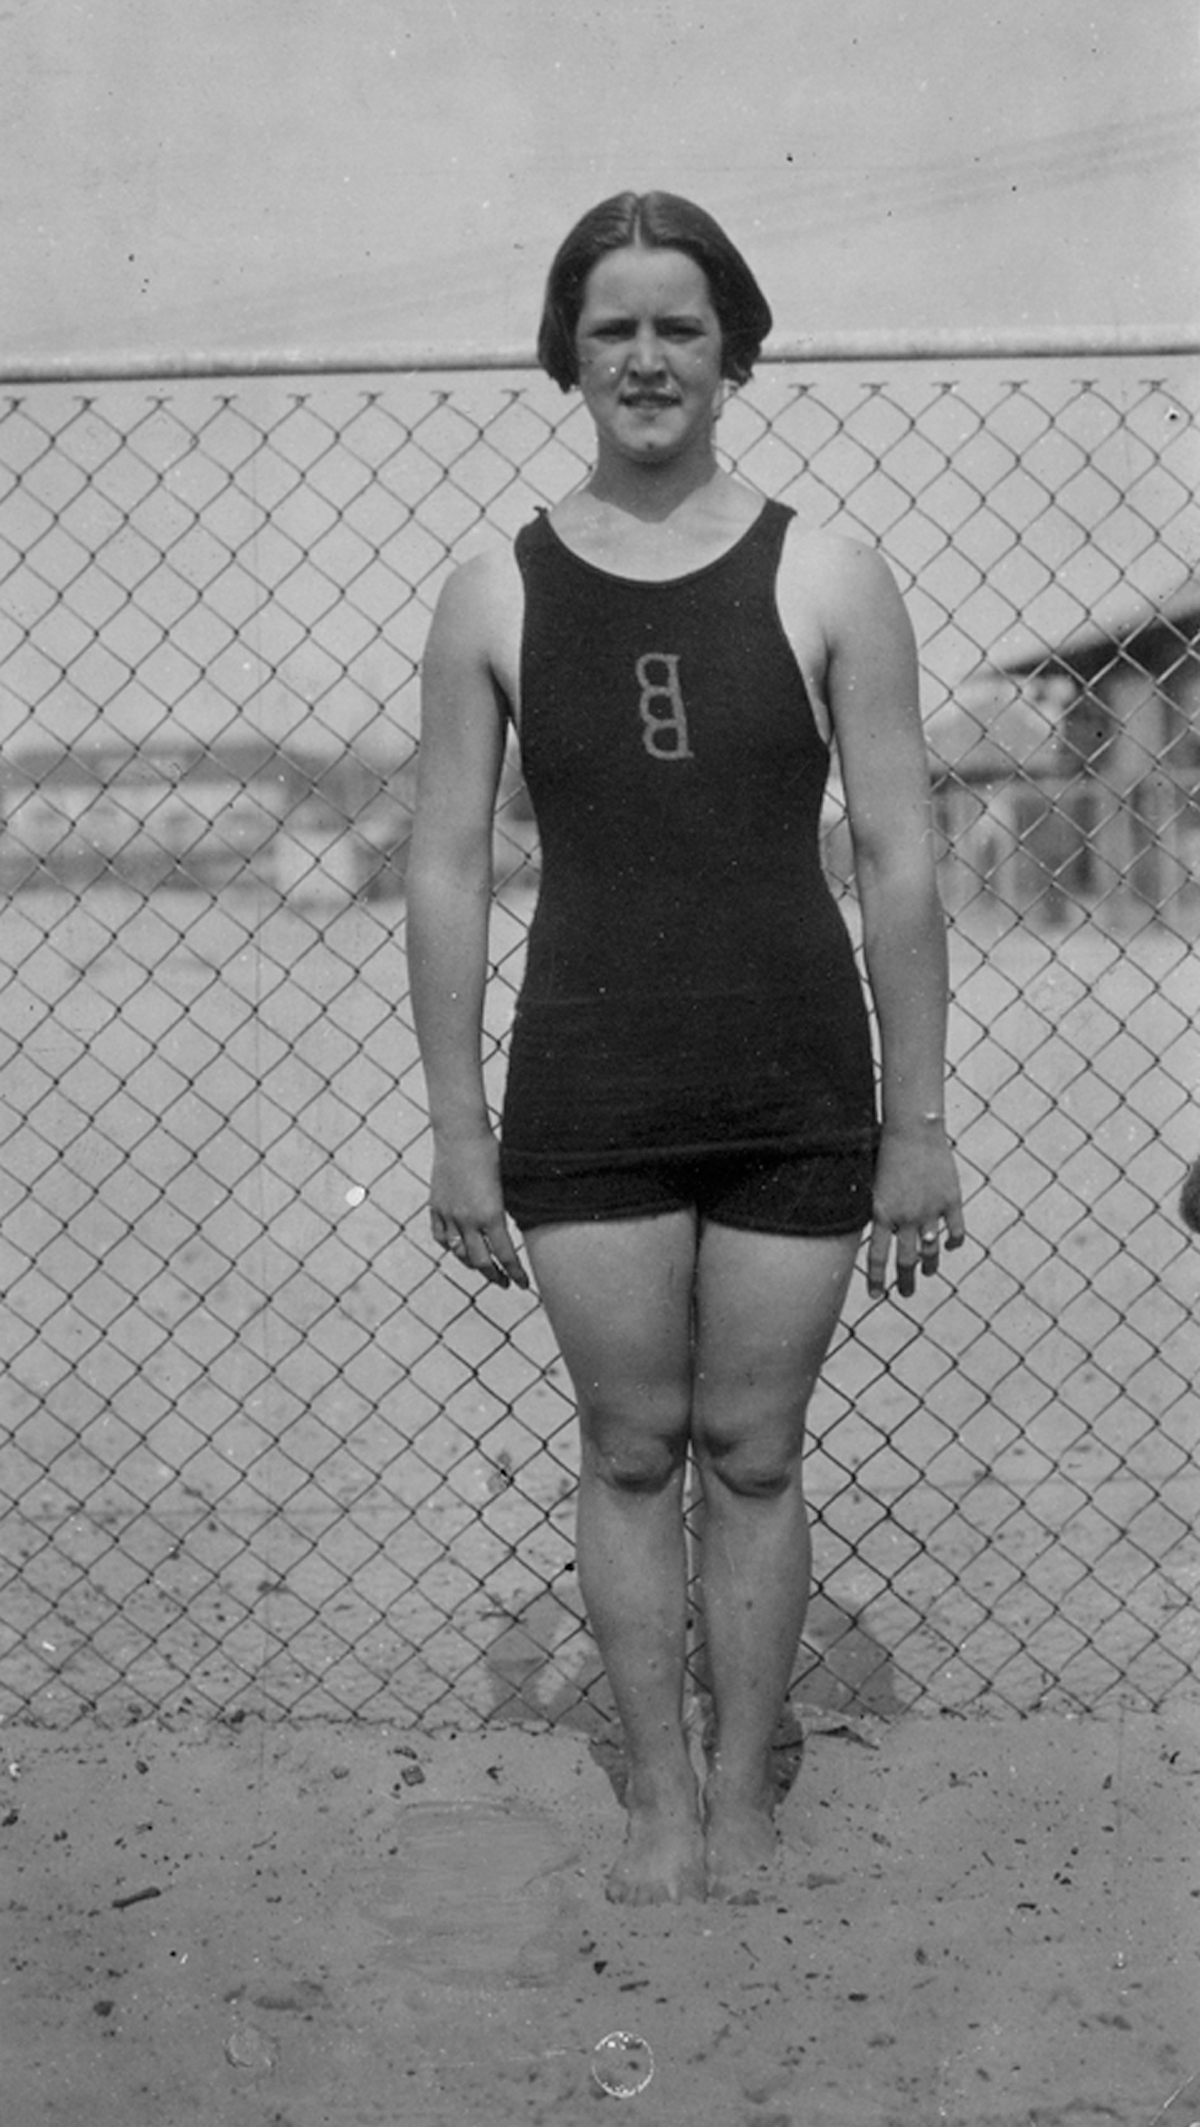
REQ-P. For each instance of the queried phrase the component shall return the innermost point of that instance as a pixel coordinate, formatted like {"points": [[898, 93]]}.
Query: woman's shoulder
{"points": [[477, 623], [841, 572], [486, 582], [833, 553]]}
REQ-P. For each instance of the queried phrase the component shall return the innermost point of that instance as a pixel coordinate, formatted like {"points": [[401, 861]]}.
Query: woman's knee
{"points": [[754, 1459], [633, 1450]]}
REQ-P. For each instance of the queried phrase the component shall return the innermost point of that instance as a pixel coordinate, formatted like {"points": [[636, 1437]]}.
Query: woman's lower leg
{"points": [[632, 1572], [632, 1576], [755, 1576]]}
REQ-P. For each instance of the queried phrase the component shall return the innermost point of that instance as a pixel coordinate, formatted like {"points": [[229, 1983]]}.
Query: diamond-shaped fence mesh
{"points": [[261, 1447]]}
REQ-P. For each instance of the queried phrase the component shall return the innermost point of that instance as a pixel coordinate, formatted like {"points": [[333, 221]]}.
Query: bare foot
{"points": [[662, 1860], [741, 1851]]}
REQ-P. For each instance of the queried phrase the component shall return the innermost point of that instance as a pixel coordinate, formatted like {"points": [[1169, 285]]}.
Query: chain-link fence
{"points": [[261, 1448]]}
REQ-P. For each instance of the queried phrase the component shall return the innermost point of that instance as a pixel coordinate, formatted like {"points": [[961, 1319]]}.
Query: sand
{"points": [[978, 1921]]}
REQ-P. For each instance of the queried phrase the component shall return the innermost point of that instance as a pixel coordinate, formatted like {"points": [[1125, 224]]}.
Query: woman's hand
{"points": [[467, 1210], [916, 1194]]}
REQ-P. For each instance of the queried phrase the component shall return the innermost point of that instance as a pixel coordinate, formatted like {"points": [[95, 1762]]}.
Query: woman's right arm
{"points": [[449, 886]]}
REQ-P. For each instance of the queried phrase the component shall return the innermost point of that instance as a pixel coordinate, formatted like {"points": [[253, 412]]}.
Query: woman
{"points": [[689, 1142]]}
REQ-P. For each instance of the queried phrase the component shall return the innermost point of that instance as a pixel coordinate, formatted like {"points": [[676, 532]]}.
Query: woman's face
{"points": [[648, 344]]}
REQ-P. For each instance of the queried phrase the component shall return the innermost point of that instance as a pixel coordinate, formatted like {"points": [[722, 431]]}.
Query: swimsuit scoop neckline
{"points": [[651, 583]]}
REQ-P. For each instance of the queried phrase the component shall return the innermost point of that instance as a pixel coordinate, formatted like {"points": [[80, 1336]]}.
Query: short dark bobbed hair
{"points": [[658, 221]]}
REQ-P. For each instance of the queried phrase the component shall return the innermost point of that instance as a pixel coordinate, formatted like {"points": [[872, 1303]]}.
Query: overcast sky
{"points": [[334, 175]]}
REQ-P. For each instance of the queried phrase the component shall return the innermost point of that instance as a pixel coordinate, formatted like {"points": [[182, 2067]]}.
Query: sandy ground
{"points": [[978, 1922]]}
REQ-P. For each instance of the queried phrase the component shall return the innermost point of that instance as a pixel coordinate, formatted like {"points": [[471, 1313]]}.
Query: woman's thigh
{"points": [[767, 1306], [618, 1294]]}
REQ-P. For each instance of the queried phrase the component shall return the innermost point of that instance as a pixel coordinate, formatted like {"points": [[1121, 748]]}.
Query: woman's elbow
{"points": [[889, 874], [441, 863]]}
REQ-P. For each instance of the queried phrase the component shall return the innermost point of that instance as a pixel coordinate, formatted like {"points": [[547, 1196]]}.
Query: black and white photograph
{"points": [[599, 626]]}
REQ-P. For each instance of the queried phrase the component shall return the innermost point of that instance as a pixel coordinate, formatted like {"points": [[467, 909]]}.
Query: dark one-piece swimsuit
{"points": [[690, 993]]}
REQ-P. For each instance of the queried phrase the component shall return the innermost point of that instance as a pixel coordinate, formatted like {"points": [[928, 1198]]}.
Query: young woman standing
{"points": [[690, 1143]]}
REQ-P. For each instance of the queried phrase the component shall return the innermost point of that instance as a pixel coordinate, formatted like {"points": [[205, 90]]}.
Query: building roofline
{"points": [[1094, 649]]}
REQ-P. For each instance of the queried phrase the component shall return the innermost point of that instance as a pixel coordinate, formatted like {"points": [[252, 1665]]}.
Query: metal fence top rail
{"points": [[1019, 343]]}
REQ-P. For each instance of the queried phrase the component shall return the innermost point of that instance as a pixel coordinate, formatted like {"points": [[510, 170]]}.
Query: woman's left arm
{"points": [[871, 679]]}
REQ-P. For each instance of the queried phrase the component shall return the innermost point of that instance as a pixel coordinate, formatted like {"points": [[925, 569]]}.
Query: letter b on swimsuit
{"points": [[664, 718]]}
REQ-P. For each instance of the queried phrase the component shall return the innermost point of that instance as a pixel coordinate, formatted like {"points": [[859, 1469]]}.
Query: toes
{"points": [[644, 1876], [737, 1890], [743, 1858], [622, 1890]]}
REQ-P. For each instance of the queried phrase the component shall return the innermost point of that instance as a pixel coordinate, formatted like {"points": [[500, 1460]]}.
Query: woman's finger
{"points": [[476, 1255], [489, 1251], [907, 1250], [504, 1254], [878, 1250]]}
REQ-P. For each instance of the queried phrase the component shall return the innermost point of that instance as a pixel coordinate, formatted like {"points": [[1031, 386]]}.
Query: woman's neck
{"points": [[654, 492], [676, 528]]}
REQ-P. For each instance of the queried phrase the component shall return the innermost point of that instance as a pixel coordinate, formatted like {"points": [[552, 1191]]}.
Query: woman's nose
{"points": [[647, 350]]}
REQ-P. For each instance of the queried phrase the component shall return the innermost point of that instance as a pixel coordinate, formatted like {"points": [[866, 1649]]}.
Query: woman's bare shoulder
{"points": [[844, 581], [833, 558], [479, 612], [488, 580], [475, 636]]}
